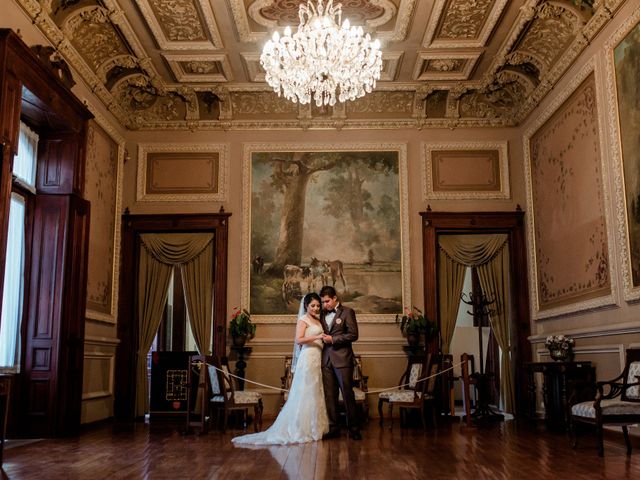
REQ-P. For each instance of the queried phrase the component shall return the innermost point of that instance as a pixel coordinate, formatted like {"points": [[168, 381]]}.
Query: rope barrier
{"points": [[378, 390]]}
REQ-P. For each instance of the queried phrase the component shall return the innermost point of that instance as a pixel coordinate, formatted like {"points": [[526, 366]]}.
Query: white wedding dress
{"points": [[303, 417]]}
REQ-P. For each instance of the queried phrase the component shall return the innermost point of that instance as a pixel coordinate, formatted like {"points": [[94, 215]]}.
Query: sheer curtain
{"points": [[13, 286], [24, 163]]}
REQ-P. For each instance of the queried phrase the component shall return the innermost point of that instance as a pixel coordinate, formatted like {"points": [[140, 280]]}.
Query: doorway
{"points": [[133, 230], [510, 224]]}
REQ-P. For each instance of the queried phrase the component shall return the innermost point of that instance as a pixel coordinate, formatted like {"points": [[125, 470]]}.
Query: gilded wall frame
{"points": [[606, 299], [254, 153], [110, 316], [500, 171], [621, 159], [218, 192]]}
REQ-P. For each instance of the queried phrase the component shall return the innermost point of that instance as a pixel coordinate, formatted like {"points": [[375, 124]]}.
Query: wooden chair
{"points": [[286, 379], [359, 388], [409, 377], [617, 403], [225, 399]]}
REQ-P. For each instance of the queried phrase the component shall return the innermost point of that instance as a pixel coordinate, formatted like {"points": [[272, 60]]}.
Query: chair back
{"points": [[431, 369], [225, 384], [631, 376], [287, 378]]}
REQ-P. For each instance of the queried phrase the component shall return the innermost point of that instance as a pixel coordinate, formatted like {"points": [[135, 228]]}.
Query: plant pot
{"points": [[561, 355], [239, 340], [413, 339]]}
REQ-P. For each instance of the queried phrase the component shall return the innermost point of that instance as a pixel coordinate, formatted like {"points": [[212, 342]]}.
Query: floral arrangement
{"points": [[559, 346], [413, 322], [241, 325]]}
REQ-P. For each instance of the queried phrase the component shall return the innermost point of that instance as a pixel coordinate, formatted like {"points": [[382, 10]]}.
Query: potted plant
{"points": [[413, 324], [241, 327]]}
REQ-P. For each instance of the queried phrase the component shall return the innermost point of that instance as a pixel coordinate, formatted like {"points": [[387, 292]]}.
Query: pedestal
{"points": [[558, 383], [241, 365]]}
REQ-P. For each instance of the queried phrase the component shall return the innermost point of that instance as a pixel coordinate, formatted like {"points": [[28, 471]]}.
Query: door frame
{"points": [[511, 223], [132, 227]]}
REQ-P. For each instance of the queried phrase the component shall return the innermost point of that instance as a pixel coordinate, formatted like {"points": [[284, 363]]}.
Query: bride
{"points": [[303, 417]]}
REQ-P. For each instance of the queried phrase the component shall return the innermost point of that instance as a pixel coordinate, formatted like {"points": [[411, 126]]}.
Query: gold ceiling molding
{"points": [[253, 26], [446, 65], [462, 24], [280, 13], [213, 67], [149, 79], [181, 24]]}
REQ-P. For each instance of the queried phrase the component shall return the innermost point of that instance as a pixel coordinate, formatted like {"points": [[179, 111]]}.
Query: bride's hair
{"points": [[309, 297]]}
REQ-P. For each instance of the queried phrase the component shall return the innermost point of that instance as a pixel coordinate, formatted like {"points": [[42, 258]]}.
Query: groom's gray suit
{"points": [[337, 367]]}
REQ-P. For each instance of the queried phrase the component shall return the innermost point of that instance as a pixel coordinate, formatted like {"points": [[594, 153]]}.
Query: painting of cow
{"points": [[318, 217]]}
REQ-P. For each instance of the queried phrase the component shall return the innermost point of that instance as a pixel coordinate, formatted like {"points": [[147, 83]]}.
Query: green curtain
{"points": [[158, 256], [450, 281], [197, 278], [494, 279], [488, 255], [153, 283]]}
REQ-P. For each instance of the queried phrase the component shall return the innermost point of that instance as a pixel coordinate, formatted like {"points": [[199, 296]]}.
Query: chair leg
{"points": [[424, 422], [600, 438], [390, 415], [625, 432], [224, 421], [573, 437]]}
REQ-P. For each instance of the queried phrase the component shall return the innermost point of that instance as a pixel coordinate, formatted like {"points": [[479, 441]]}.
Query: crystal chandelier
{"points": [[322, 59]]}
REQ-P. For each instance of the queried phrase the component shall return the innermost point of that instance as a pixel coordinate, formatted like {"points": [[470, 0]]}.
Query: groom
{"points": [[340, 330]]}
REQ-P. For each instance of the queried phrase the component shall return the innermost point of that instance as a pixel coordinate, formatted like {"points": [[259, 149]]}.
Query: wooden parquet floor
{"points": [[507, 450]]}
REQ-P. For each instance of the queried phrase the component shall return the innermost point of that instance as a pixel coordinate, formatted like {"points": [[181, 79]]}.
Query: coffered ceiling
{"points": [[174, 64]]}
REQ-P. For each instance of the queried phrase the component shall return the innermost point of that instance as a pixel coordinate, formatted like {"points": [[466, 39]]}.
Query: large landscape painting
{"points": [[627, 67], [325, 217]]}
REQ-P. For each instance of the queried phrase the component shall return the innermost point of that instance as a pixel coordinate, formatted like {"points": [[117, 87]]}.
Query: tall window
{"points": [[24, 173]]}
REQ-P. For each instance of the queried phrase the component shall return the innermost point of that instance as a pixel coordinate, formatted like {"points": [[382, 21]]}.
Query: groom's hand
{"points": [[327, 338]]}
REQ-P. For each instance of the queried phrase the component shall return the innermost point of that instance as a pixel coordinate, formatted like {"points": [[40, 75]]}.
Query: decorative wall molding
{"points": [[107, 391], [592, 304], [428, 192], [249, 148], [101, 341], [220, 195], [628, 328], [631, 293], [112, 316]]}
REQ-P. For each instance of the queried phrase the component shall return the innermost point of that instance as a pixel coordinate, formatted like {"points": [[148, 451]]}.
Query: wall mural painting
{"points": [[627, 68], [571, 244], [101, 178], [326, 217]]}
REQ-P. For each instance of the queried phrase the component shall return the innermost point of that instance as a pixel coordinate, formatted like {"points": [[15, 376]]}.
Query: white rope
{"points": [[378, 390], [399, 387]]}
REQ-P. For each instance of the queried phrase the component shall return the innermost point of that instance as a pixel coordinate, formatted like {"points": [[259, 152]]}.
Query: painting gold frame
{"points": [[251, 148]]}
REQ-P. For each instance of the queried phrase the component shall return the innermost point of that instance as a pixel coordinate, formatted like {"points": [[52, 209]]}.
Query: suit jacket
{"points": [[344, 331]]}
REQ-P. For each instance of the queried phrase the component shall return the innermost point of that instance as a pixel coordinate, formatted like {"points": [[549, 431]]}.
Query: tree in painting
{"points": [[323, 217]]}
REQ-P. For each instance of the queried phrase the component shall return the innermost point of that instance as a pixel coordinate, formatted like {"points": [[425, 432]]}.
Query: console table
{"points": [[559, 380]]}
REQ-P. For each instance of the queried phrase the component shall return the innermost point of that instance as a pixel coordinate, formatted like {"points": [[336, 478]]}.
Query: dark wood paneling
{"points": [[55, 321], [49, 385], [57, 163], [511, 223], [132, 227]]}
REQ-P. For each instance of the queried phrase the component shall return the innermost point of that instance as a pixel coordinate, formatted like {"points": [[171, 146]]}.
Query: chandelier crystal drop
{"points": [[322, 59]]}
